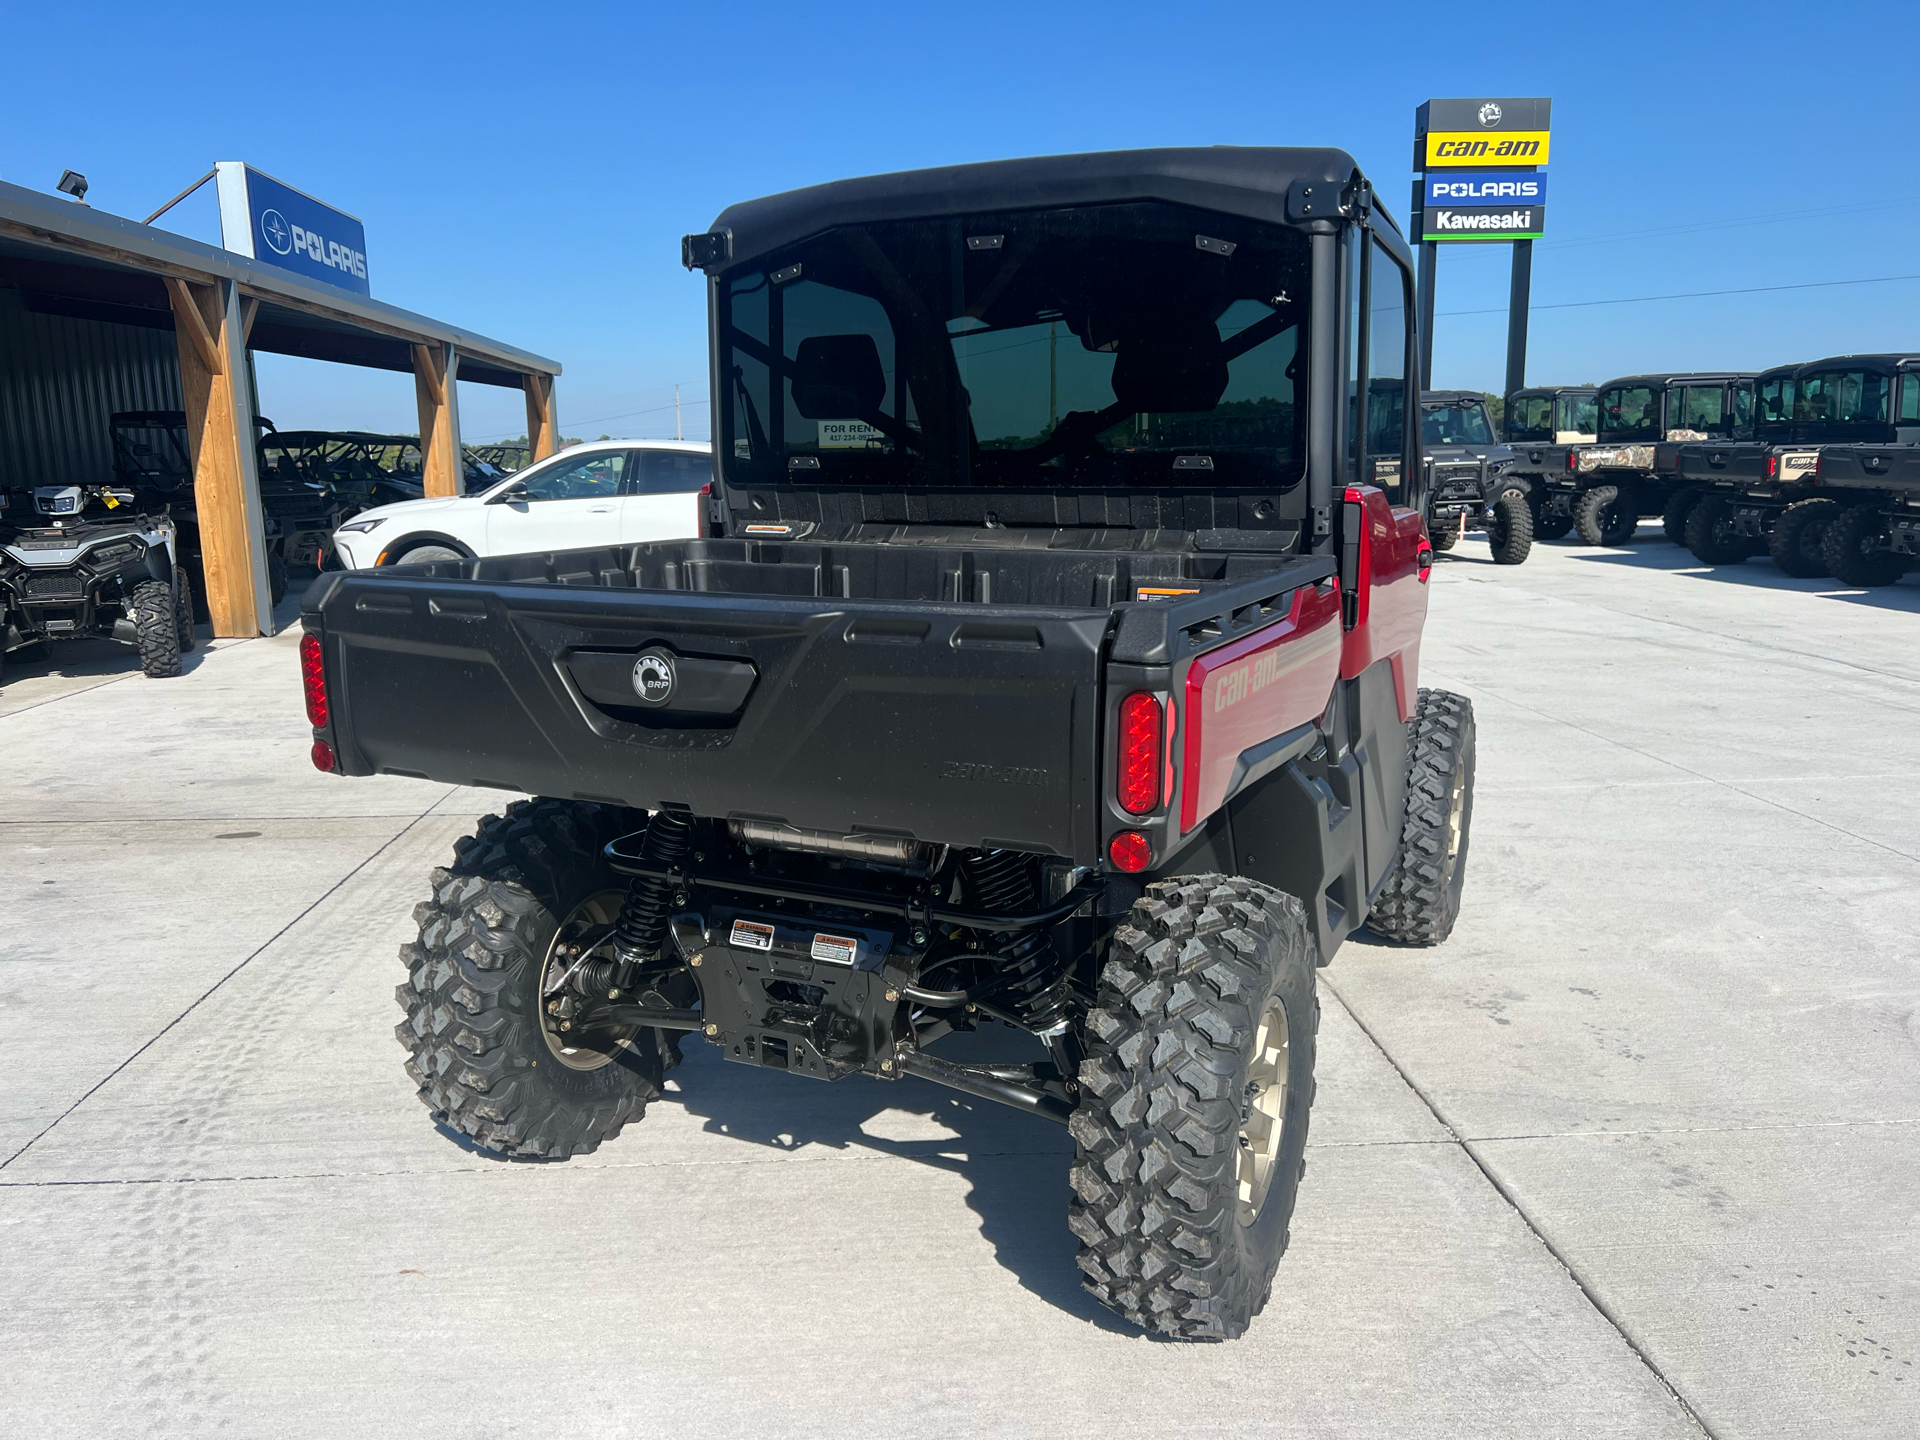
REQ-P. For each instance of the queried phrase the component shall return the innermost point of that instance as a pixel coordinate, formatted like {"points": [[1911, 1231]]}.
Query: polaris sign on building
{"points": [[266, 220], [1482, 205]]}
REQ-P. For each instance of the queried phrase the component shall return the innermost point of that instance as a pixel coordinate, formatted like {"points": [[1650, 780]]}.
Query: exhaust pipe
{"points": [[875, 849]]}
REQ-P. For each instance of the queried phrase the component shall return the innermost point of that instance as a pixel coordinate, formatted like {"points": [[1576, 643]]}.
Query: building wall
{"points": [[61, 377]]}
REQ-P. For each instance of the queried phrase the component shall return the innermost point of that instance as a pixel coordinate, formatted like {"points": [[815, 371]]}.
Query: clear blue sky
{"points": [[527, 170]]}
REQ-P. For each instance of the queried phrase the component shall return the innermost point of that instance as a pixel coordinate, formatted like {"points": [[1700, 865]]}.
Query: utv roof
{"points": [[1450, 397], [163, 418], [1559, 390], [1682, 378], [1249, 181], [1885, 364]]}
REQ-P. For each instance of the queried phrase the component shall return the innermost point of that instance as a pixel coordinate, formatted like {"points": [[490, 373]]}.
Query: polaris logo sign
{"points": [[1485, 188], [270, 221]]}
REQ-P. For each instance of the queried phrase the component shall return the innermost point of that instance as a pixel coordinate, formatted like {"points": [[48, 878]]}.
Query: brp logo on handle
{"points": [[653, 677], [1489, 114], [279, 235]]}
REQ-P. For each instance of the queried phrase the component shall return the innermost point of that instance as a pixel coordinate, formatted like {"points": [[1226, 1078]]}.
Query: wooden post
{"points": [[226, 484], [542, 437], [435, 368]]}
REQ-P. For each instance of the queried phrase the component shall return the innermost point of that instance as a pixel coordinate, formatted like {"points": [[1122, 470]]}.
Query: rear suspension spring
{"points": [[1028, 986], [642, 926]]}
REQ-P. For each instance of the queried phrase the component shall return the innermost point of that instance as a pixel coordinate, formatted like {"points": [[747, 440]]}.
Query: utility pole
{"points": [[676, 414]]}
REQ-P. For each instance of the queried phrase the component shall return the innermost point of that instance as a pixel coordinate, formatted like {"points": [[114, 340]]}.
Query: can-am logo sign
{"points": [[268, 220], [1489, 114], [1464, 147]]}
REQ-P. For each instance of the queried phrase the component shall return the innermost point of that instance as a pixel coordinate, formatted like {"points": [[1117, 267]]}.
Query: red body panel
{"points": [[1235, 697], [1392, 600]]}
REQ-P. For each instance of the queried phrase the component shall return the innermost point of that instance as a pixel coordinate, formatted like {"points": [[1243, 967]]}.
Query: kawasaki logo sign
{"points": [[268, 221], [1474, 222]]}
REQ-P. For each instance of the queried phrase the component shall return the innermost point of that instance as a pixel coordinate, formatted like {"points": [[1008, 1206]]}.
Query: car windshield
{"points": [[1530, 417], [1578, 413], [1629, 412], [1458, 422], [1137, 344]]}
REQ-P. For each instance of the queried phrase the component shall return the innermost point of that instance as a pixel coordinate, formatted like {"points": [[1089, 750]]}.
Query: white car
{"points": [[606, 492]]}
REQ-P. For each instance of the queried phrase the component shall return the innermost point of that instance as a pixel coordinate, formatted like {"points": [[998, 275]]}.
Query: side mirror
{"points": [[515, 491]]}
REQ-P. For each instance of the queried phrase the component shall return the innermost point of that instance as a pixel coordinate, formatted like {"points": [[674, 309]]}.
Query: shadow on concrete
{"points": [[1758, 573], [89, 659], [1015, 1165]]}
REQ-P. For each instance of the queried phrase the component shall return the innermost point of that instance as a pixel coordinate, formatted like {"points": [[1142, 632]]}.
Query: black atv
{"points": [[1469, 484], [85, 562]]}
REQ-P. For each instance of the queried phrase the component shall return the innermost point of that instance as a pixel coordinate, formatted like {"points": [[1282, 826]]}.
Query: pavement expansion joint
{"points": [[205, 995], [1486, 1170]]}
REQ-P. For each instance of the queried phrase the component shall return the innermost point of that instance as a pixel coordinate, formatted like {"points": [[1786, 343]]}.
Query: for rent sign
{"points": [[270, 221]]}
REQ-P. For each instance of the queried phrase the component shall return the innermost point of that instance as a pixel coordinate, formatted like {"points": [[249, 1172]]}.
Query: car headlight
{"points": [[360, 527]]}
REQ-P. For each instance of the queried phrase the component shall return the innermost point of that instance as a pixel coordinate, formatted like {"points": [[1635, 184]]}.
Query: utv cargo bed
{"points": [[911, 690]]}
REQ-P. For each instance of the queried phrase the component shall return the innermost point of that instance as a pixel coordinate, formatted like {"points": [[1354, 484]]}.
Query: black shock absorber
{"points": [[642, 926], [1027, 985]]}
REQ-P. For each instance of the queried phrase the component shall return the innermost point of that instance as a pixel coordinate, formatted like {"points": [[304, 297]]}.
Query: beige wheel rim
{"points": [[587, 927], [1265, 1120], [1456, 816]]}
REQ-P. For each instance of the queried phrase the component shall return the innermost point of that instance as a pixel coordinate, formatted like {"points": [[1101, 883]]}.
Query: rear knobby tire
{"points": [[183, 610], [1853, 553], [1673, 520], [1605, 515], [476, 1045], [1448, 535], [1180, 1231], [1711, 536], [1549, 526], [1799, 540], [1421, 900], [1510, 530], [156, 629]]}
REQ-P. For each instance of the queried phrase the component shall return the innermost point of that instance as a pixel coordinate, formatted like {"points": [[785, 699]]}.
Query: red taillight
{"points": [[1130, 851], [313, 676], [323, 756], [1138, 782], [1424, 558], [1773, 466], [1573, 461]]}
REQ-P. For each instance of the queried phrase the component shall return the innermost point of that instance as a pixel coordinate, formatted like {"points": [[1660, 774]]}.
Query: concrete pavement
{"points": [[1632, 1148]]}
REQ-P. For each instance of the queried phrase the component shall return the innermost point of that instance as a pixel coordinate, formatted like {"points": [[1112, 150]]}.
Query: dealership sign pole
{"points": [[1480, 183]]}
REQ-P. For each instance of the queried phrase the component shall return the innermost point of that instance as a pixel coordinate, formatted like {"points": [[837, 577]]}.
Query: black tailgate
{"points": [[954, 723]]}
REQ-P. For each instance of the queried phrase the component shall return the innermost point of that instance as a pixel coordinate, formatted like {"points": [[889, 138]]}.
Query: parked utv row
{"points": [[1813, 464], [1824, 482]]}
